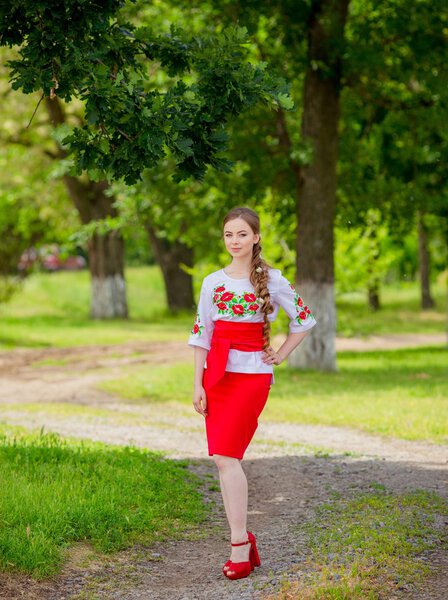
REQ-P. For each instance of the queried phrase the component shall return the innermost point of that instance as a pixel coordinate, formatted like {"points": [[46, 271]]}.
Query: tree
{"points": [[306, 40], [72, 50], [179, 219], [106, 250], [33, 206], [364, 57], [30, 215], [108, 297], [400, 172], [316, 194]]}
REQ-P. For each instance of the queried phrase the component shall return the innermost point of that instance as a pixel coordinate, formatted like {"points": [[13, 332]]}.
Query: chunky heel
{"points": [[254, 556]]}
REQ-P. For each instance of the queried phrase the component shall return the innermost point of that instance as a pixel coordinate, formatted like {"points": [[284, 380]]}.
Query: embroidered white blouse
{"points": [[228, 299]]}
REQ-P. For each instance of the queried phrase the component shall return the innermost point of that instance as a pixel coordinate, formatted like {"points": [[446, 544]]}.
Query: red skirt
{"points": [[233, 406]]}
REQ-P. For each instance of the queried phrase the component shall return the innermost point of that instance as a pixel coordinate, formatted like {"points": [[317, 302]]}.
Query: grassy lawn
{"points": [[400, 312], [401, 393], [57, 491], [368, 545], [52, 310]]}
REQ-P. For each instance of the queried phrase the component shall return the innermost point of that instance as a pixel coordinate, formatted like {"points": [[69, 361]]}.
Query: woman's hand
{"points": [[271, 357], [200, 400]]}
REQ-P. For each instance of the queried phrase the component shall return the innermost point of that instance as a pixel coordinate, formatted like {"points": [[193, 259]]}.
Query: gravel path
{"points": [[287, 480]]}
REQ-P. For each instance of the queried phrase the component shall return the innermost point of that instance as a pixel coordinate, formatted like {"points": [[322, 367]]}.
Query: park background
{"points": [[335, 136]]}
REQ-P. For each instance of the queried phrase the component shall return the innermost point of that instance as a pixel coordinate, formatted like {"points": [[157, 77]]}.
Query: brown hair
{"points": [[259, 279]]}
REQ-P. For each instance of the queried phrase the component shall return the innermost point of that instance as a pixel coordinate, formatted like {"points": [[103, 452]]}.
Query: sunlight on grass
{"points": [[57, 491], [53, 310], [165, 384], [400, 393]]}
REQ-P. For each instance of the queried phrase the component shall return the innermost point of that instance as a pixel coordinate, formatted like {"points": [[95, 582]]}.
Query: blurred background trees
{"points": [[350, 184]]}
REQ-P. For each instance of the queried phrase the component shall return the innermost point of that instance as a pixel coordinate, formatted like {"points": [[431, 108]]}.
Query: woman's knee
{"points": [[224, 462]]}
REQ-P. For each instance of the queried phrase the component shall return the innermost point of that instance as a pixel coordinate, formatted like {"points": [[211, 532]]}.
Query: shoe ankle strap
{"points": [[241, 543]]}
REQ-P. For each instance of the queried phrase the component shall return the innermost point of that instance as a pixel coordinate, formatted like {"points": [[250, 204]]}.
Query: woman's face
{"points": [[239, 238]]}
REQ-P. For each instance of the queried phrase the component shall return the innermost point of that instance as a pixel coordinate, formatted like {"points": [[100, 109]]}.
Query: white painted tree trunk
{"points": [[108, 299], [318, 349]]}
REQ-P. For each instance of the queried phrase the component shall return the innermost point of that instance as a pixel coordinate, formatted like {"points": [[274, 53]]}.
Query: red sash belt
{"points": [[247, 337]]}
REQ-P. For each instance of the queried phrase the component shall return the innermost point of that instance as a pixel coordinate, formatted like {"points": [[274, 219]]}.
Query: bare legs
{"points": [[234, 493]]}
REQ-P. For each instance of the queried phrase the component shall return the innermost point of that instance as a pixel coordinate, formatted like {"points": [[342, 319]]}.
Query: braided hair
{"points": [[259, 269]]}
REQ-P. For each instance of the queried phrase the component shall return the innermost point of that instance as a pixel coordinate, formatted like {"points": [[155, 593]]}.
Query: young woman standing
{"points": [[234, 364]]}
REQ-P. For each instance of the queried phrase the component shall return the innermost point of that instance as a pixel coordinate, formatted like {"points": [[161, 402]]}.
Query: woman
{"points": [[234, 364]]}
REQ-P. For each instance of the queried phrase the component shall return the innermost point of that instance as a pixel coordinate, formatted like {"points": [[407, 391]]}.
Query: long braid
{"points": [[259, 272], [259, 279]]}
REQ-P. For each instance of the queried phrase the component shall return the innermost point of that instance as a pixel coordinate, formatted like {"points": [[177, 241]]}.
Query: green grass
{"points": [[167, 383], [57, 491], [368, 546], [400, 393], [53, 310], [400, 312]]}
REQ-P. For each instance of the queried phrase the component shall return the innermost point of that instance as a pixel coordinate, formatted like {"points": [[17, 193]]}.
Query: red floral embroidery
{"points": [[231, 303], [238, 309], [303, 311], [197, 327]]}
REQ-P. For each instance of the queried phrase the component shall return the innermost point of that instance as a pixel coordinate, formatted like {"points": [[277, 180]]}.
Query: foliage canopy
{"points": [[86, 50]]}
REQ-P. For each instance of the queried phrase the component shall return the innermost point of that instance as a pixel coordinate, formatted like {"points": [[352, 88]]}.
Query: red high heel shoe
{"points": [[244, 569], [239, 569]]}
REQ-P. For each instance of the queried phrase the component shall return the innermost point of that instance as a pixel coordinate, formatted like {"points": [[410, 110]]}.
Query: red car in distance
{"points": [[50, 260]]}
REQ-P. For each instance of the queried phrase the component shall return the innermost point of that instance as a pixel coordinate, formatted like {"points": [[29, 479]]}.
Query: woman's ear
{"points": [[257, 238]]}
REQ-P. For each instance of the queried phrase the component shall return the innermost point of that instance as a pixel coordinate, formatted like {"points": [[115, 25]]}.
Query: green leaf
{"points": [[285, 101]]}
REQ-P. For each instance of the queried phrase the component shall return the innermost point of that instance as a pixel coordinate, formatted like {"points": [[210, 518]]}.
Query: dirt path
{"points": [[286, 478]]}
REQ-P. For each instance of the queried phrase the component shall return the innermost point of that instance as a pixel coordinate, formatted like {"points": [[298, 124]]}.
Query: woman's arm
{"points": [[199, 397], [271, 357], [300, 324]]}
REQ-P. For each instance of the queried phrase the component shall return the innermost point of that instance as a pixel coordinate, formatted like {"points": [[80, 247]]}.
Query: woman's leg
{"points": [[234, 492], [224, 494]]}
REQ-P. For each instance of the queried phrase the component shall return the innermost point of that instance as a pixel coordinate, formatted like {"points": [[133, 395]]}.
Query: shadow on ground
{"points": [[284, 493]]}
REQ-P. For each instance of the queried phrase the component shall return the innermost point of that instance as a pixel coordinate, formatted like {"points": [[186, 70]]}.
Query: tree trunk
{"points": [[316, 188], [108, 284], [170, 257], [373, 294], [374, 250], [106, 252], [424, 263]]}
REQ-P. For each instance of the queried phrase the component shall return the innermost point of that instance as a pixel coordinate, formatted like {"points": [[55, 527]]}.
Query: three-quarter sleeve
{"points": [[202, 331], [301, 318]]}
